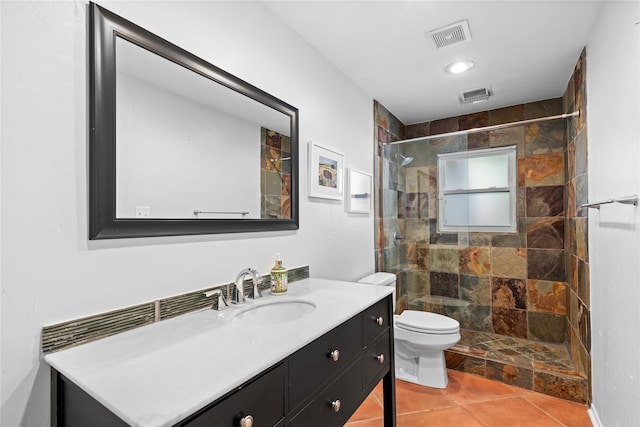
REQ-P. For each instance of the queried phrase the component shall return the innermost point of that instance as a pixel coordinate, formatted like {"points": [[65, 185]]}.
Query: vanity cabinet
{"points": [[376, 320], [375, 360], [322, 384], [318, 362], [260, 401], [336, 403]]}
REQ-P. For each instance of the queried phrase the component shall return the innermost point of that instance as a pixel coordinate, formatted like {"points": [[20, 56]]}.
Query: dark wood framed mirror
{"points": [[179, 146]]}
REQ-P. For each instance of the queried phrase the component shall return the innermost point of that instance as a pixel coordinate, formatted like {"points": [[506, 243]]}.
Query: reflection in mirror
{"points": [[179, 146], [187, 148]]}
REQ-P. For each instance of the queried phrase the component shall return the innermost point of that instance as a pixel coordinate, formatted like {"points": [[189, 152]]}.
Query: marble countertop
{"points": [[157, 375]]}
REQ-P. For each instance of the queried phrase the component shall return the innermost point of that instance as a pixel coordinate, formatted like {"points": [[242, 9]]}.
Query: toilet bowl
{"points": [[420, 339]]}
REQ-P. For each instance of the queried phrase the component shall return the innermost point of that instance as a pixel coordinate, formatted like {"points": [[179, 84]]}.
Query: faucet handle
{"points": [[257, 279], [222, 302]]}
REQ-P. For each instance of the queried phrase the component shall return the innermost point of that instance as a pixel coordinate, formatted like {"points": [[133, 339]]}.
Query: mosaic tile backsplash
{"points": [[75, 332]]}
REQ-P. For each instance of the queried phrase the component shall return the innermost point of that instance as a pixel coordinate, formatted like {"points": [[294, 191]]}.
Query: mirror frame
{"points": [[103, 224]]}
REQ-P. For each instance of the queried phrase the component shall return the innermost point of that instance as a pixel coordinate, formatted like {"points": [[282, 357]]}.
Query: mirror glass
{"points": [[187, 148], [179, 146]]}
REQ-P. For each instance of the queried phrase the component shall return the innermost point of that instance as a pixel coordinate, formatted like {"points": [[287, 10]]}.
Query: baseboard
{"points": [[593, 416]]}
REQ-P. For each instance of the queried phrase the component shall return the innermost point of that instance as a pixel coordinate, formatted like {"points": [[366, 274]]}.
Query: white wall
{"points": [[50, 271], [613, 112]]}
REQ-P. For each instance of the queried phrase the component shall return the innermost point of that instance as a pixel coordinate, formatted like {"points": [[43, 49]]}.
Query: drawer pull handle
{"points": [[335, 355], [246, 421], [380, 320], [336, 405], [380, 358]]}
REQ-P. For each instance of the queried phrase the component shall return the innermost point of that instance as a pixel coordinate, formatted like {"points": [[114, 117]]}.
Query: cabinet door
{"points": [[262, 399], [334, 405], [376, 360], [376, 320], [313, 365]]}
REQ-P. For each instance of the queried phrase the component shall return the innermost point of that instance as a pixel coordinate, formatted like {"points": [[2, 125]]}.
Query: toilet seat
{"points": [[427, 323]]}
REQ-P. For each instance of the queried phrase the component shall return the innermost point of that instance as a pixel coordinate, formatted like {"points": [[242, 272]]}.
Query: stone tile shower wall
{"points": [[576, 234]]}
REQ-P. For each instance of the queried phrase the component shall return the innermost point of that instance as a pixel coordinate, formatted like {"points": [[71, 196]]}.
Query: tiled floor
{"points": [[471, 401]]}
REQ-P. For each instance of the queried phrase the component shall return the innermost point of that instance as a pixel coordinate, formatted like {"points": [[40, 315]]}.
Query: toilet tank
{"points": [[382, 279]]}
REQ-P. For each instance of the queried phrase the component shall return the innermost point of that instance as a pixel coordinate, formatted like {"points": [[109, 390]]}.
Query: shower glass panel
{"points": [[430, 265]]}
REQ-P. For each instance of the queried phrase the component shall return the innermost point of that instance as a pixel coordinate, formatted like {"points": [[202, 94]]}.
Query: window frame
{"points": [[511, 152]]}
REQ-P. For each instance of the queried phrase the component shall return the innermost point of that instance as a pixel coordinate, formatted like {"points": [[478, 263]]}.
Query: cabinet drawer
{"points": [[376, 359], [311, 366], [321, 412], [376, 320], [263, 399]]}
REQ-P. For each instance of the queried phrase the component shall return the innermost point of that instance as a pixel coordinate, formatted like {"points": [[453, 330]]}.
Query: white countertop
{"points": [[159, 374]]}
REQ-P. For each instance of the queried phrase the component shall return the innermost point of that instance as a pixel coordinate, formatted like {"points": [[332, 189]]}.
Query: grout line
{"points": [[470, 412], [356, 423], [548, 414]]}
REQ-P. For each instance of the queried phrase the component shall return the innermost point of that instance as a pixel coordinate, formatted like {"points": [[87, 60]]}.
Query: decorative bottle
{"points": [[279, 279]]}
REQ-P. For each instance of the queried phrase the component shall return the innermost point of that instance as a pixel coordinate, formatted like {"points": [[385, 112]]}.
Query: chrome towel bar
{"points": [[629, 200]]}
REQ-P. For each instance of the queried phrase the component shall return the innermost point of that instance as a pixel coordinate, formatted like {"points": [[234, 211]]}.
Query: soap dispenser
{"points": [[279, 279]]}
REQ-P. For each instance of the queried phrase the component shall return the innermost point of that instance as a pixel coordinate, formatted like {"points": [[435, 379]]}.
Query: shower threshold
{"points": [[542, 367]]}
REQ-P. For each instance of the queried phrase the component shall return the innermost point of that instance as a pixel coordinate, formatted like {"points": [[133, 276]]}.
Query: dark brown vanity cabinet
{"points": [[259, 402], [333, 405], [314, 365], [322, 384], [329, 378]]}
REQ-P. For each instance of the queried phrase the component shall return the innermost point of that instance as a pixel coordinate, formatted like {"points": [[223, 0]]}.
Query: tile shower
{"points": [[521, 298]]}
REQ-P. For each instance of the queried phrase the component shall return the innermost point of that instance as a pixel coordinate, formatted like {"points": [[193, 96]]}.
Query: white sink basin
{"points": [[273, 312]]}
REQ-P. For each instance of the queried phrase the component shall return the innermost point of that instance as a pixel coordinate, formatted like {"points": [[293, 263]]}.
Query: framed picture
{"points": [[325, 172], [359, 193]]}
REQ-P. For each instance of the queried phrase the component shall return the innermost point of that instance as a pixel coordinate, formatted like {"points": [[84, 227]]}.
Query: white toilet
{"points": [[420, 340]]}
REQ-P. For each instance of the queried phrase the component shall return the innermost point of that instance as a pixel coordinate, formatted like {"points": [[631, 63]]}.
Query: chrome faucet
{"points": [[255, 277]]}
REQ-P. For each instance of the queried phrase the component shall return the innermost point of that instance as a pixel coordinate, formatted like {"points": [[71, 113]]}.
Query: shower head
{"points": [[405, 160]]}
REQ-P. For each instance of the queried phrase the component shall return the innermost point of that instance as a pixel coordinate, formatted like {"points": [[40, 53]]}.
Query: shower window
{"points": [[477, 190]]}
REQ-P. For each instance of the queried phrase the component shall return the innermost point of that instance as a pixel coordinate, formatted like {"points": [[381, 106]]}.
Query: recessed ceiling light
{"points": [[459, 67]]}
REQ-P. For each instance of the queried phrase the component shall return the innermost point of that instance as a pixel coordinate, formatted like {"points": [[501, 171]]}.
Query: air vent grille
{"points": [[457, 32], [475, 95]]}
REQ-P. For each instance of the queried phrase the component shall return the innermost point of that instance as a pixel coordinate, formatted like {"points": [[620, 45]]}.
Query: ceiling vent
{"points": [[476, 95], [455, 33]]}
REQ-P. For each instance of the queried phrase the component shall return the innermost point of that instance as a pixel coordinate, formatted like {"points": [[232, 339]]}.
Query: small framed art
{"points": [[325, 172]]}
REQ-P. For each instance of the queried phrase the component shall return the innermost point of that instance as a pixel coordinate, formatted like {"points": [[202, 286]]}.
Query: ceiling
{"points": [[523, 51]]}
